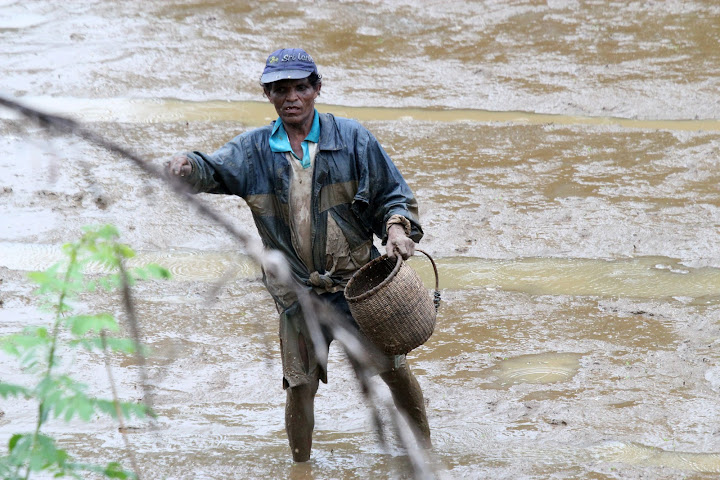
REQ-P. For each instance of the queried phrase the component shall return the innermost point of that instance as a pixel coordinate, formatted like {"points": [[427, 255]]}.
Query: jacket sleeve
{"points": [[225, 171], [387, 192]]}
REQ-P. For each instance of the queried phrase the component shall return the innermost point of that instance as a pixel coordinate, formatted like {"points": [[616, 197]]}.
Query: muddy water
{"points": [[565, 155], [259, 113]]}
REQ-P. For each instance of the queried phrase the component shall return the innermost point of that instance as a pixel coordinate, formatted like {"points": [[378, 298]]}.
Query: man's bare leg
{"points": [[300, 419], [408, 398]]}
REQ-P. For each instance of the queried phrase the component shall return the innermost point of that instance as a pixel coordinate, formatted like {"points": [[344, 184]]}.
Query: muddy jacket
{"points": [[354, 180]]}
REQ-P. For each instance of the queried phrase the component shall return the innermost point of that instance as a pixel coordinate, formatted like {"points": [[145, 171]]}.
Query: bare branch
{"points": [[316, 312]]}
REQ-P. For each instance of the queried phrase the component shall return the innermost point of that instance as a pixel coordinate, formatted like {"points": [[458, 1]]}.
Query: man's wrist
{"points": [[401, 221]]}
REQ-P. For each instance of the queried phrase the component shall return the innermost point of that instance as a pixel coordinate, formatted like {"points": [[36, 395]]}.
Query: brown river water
{"points": [[565, 156]]}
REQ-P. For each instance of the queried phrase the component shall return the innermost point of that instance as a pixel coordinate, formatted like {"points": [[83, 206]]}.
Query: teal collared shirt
{"points": [[279, 141]]}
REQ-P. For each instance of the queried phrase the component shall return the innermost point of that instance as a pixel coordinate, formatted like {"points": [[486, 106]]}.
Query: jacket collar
{"points": [[329, 135]]}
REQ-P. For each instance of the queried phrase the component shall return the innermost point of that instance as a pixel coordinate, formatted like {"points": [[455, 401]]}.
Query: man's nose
{"points": [[292, 94]]}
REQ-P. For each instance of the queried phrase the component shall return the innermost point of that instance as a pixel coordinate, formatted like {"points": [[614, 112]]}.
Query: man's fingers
{"points": [[404, 249], [178, 166], [399, 243], [391, 249]]}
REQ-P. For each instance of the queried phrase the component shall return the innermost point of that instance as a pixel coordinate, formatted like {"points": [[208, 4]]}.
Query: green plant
{"points": [[38, 350]]}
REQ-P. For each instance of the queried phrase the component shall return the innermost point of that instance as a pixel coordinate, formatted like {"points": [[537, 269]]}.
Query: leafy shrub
{"points": [[37, 349]]}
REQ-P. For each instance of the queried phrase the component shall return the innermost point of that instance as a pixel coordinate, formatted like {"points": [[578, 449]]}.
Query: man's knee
{"points": [[397, 376], [303, 393]]}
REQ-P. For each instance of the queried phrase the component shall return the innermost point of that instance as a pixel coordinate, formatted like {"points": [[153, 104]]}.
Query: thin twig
{"points": [[316, 313], [135, 332], [118, 410]]}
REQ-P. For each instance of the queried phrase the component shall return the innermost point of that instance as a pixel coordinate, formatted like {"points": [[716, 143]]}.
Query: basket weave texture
{"points": [[395, 312]]}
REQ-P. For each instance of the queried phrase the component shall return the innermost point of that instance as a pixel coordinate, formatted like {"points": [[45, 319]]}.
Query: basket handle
{"points": [[398, 264], [436, 295]]}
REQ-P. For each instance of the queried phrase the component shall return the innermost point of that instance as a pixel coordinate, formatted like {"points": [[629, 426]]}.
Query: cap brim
{"points": [[284, 75]]}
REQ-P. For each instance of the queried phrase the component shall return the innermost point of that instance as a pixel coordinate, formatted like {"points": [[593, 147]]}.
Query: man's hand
{"points": [[399, 242], [178, 166]]}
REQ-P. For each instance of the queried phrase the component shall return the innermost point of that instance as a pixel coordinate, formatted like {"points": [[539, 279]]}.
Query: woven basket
{"points": [[391, 305]]}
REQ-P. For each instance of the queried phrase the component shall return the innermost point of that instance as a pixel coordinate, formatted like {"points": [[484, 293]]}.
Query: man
{"points": [[318, 187]]}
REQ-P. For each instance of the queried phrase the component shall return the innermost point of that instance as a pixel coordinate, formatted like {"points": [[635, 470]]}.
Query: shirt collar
{"points": [[279, 141]]}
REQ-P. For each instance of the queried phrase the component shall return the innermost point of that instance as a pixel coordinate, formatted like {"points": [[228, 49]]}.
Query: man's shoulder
{"points": [[344, 126], [255, 133], [340, 121]]}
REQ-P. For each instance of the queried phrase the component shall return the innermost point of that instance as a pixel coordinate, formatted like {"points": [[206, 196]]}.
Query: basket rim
{"points": [[387, 280], [377, 287]]}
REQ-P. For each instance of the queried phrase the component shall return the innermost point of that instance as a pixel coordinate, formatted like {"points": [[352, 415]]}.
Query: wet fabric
{"points": [[356, 189], [299, 360], [354, 183], [300, 204]]}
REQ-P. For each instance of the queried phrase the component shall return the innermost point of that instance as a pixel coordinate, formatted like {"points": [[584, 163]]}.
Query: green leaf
{"points": [[106, 257], [117, 345], [107, 407], [28, 341], [42, 332], [28, 346], [48, 281], [60, 406], [19, 448], [9, 347], [151, 271], [84, 407], [75, 400], [127, 409], [69, 411], [46, 455], [82, 324], [138, 410], [10, 390], [14, 441], [126, 345], [51, 399], [70, 408], [115, 470], [158, 272], [107, 231], [45, 386], [8, 471], [139, 273], [124, 251]]}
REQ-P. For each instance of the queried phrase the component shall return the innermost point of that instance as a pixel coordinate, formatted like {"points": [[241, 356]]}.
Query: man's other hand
{"points": [[398, 242], [178, 166]]}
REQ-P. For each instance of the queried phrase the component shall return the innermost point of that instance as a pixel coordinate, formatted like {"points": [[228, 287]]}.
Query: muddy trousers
{"points": [[300, 410]]}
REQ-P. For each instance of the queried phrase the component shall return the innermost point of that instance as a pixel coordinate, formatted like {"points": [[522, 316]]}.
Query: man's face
{"points": [[294, 100]]}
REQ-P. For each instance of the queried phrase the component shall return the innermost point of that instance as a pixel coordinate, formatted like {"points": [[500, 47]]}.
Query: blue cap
{"points": [[288, 63]]}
